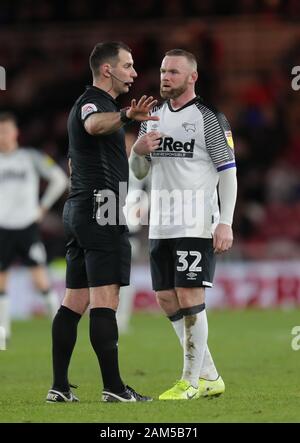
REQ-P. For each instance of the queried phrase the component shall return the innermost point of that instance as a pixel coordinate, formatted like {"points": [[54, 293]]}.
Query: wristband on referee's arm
{"points": [[123, 117]]}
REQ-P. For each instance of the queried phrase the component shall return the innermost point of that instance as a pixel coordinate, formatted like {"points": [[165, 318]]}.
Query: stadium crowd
{"points": [[264, 113], [30, 11]]}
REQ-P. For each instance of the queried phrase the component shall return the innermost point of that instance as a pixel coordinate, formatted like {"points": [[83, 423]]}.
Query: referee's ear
{"points": [[105, 70]]}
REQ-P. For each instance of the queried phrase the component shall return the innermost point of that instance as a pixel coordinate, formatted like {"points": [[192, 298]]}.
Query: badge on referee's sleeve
{"points": [[228, 135], [87, 109]]}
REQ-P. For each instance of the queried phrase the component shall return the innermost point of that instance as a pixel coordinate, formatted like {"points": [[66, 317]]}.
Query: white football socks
{"points": [[52, 302], [194, 342], [208, 369], [5, 314], [125, 308]]}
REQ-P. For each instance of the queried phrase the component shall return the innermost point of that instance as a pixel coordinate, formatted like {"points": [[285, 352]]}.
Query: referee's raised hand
{"points": [[140, 110]]}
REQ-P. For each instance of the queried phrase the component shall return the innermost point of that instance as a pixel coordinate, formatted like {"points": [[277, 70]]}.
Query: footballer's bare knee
{"points": [[3, 280], [168, 301], [188, 297], [105, 297], [77, 299]]}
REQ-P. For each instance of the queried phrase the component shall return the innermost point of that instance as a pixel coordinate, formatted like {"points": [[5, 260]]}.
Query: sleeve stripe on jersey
{"points": [[227, 166], [143, 129], [216, 143], [143, 126]]}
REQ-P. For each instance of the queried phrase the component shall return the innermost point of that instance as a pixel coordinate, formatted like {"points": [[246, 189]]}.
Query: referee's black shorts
{"points": [[96, 255], [186, 262]]}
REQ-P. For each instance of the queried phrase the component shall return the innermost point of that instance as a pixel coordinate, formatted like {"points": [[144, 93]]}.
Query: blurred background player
{"points": [[21, 211], [136, 207]]}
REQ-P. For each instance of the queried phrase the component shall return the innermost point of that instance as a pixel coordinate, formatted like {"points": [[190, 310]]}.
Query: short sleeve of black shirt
{"points": [[89, 106]]}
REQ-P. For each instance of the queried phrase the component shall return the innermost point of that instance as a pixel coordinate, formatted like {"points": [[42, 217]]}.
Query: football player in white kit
{"points": [[190, 153], [127, 293], [21, 210]]}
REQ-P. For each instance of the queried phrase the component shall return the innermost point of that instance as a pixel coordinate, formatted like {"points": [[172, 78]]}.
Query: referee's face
{"points": [[123, 73], [175, 76], [8, 136]]}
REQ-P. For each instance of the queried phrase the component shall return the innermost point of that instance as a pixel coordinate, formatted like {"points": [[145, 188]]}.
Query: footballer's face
{"points": [[8, 136], [176, 76], [122, 73]]}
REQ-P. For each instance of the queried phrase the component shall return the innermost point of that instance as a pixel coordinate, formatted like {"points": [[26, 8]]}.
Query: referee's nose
{"points": [[134, 73]]}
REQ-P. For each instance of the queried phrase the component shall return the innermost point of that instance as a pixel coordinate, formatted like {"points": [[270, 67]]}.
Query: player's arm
{"points": [[54, 175], [102, 123], [220, 146], [223, 236], [140, 165]]}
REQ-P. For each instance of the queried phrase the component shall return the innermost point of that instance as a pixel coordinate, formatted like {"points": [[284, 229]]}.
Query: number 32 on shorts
{"points": [[184, 264]]}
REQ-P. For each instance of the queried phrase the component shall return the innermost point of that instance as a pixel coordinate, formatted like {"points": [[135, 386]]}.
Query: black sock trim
{"points": [[193, 310], [45, 292], [2, 293], [69, 313], [177, 316], [102, 312]]}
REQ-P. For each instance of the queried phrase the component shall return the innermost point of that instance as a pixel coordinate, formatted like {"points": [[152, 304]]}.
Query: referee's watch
{"points": [[123, 117]]}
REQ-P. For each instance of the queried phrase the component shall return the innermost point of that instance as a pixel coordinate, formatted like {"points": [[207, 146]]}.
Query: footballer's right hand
{"points": [[147, 143]]}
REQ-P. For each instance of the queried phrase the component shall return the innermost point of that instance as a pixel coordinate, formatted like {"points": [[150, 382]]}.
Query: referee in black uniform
{"points": [[98, 256]]}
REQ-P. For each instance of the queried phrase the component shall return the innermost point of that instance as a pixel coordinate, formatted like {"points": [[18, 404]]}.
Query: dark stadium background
{"points": [[246, 51]]}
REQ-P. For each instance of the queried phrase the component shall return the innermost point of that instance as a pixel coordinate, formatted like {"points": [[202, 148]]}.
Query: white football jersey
{"points": [[196, 144], [20, 173]]}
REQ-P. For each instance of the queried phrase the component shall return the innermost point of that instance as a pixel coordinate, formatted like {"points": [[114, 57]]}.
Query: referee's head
{"points": [[111, 64], [106, 52]]}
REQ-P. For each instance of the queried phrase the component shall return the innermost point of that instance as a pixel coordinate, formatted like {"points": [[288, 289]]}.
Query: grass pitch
{"points": [[252, 350]]}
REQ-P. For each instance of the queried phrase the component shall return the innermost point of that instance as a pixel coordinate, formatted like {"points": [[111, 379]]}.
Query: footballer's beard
{"points": [[173, 92]]}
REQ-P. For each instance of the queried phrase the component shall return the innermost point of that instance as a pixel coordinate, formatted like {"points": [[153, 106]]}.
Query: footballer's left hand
{"points": [[222, 238]]}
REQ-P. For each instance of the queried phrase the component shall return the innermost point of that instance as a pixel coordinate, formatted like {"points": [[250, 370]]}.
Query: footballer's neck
{"points": [[184, 98]]}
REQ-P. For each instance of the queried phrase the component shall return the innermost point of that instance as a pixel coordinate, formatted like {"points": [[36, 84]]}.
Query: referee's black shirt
{"points": [[98, 162]]}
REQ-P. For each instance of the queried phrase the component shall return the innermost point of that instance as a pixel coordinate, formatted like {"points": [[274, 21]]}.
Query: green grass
{"points": [[252, 350]]}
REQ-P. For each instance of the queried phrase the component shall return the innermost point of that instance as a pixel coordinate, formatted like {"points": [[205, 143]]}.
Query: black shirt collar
{"points": [[191, 102], [102, 92]]}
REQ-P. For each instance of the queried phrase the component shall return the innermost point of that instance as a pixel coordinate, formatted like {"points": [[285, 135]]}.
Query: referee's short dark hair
{"points": [[183, 53], [105, 52], [6, 116]]}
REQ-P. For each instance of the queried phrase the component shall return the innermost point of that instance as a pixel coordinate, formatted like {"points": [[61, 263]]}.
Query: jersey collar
{"points": [[191, 102], [101, 92]]}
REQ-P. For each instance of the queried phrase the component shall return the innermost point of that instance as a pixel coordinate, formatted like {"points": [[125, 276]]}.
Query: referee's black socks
{"points": [[64, 335], [104, 339]]}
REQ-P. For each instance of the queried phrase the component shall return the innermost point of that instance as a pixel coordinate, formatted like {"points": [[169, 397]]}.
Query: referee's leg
{"points": [[64, 335], [107, 270], [104, 334], [65, 323]]}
